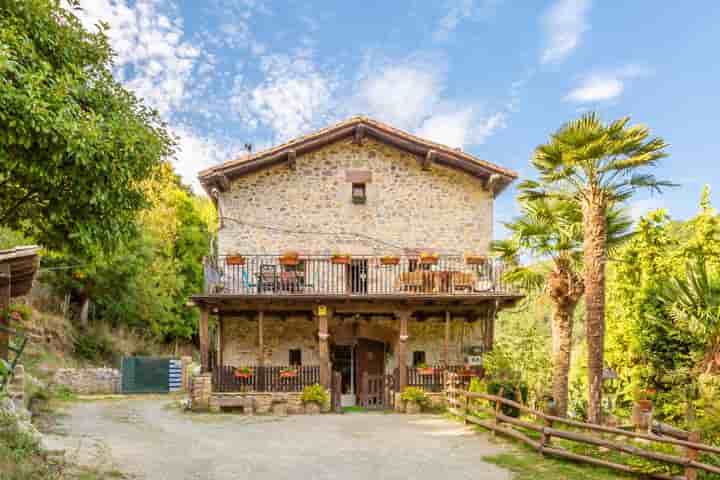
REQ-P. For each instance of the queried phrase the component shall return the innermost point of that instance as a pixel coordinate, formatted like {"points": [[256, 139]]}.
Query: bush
{"points": [[315, 394], [415, 394], [20, 455], [93, 346], [517, 392]]}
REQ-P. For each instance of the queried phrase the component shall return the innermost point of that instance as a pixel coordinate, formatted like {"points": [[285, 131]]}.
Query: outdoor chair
{"points": [[268, 279]]}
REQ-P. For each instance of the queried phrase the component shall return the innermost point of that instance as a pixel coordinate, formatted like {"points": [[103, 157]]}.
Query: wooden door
{"points": [[369, 372]]}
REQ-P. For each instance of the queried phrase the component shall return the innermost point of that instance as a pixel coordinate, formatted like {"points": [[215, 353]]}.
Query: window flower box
{"points": [[429, 258], [426, 371], [341, 259], [475, 259], [390, 260], [243, 372], [234, 259]]}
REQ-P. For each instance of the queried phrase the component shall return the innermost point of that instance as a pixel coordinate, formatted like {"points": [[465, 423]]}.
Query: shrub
{"points": [[93, 346], [415, 394], [517, 392], [315, 394]]}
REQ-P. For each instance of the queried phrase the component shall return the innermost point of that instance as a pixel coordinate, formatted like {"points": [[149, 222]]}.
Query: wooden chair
{"points": [[268, 279]]}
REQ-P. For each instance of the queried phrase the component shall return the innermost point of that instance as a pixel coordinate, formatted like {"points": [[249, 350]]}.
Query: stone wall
{"points": [[89, 381], [280, 334], [440, 209]]}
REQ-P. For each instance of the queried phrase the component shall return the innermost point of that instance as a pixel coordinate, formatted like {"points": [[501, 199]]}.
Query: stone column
{"points": [[201, 391], [323, 347], [204, 335], [403, 315]]}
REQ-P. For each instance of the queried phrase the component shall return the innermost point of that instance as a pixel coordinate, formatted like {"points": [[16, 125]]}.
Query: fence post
{"points": [[498, 405], [467, 408], [545, 438], [692, 454]]}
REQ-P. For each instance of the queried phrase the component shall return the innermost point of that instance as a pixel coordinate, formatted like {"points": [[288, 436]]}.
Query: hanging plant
{"points": [[16, 312], [290, 258], [341, 258], [235, 259], [390, 260], [427, 258], [288, 373], [243, 372], [472, 259]]}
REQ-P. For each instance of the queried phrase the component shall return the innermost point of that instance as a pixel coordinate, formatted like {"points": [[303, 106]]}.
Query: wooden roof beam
{"points": [[428, 159], [222, 181], [359, 134], [292, 160]]}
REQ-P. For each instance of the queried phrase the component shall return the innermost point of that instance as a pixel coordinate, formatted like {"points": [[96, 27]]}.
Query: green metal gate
{"points": [[145, 375]]}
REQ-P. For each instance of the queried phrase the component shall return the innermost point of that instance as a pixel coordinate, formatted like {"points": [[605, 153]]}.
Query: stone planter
{"points": [[312, 408], [280, 409], [412, 408]]}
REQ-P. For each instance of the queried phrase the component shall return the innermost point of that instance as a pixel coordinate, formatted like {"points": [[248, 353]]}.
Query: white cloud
{"points": [[152, 58], [563, 25], [294, 96], [461, 127], [604, 85], [460, 10], [640, 208]]}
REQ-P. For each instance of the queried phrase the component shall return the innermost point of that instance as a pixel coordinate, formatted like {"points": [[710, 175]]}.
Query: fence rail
{"points": [[230, 379], [448, 275], [465, 405]]}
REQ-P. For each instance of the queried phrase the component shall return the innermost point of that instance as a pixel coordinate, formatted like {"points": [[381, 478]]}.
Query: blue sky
{"points": [[494, 77]]}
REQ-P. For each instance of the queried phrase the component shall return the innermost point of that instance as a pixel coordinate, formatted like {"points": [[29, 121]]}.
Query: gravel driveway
{"points": [[147, 439]]}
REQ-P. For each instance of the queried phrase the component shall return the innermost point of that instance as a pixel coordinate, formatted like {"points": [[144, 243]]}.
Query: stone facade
{"points": [[440, 209], [281, 334], [89, 381]]}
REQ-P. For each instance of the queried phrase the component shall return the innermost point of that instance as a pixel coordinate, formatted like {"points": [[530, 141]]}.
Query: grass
{"points": [[529, 465], [354, 409]]}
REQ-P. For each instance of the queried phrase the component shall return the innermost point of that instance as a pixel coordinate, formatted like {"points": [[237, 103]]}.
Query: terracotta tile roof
{"points": [[352, 122]]}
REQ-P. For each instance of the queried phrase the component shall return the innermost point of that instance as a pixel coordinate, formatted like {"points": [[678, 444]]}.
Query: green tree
{"points": [[598, 166], [74, 144], [552, 229]]}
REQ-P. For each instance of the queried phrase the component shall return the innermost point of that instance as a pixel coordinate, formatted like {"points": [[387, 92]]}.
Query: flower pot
{"points": [[412, 408], [289, 374], [429, 258], [341, 259], [243, 374], [644, 405], [426, 371], [389, 260], [290, 258], [234, 260], [312, 408], [475, 259]]}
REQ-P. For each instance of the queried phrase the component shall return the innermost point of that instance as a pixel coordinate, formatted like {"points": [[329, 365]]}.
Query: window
{"points": [[358, 193], [418, 358], [295, 357]]}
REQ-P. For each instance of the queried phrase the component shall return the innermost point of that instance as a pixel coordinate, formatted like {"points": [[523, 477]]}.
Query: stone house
{"points": [[357, 255]]}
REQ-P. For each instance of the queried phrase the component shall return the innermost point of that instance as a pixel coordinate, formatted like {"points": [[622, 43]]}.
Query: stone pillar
{"points": [[323, 347], [204, 335], [186, 363], [16, 389], [403, 315], [200, 392]]}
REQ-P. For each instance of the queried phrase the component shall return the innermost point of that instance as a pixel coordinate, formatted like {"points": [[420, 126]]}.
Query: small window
{"points": [[358, 193], [418, 358], [295, 357]]}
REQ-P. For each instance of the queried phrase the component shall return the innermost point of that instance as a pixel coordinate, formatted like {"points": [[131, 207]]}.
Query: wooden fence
{"points": [[228, 379], [540, 428], [433, 378]]}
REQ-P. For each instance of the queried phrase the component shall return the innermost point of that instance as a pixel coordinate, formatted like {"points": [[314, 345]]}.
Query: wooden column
{"points": [[4, 303], [261, 339], [403, 315], [323, 315], [204, 335], [220, 340], [446, 351]]}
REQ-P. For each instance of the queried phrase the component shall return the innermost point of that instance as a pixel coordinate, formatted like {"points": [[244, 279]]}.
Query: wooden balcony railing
{"points": [[226, 378], [357, 276]]}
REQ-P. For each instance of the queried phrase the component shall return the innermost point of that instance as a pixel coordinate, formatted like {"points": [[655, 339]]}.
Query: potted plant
{"points": [[341, 258], [314, 397], [243, 372], [643, 399], [415, 399], [288, 373], [390, 260], [290, 258], [234, 259], [473, 259], [427, 258], [424, 369]]}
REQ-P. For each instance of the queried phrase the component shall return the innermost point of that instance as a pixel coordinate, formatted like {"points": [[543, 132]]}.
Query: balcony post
{"points": [[323, 315], [204, 337], [261, 340], [446, 346], [403, 315]]}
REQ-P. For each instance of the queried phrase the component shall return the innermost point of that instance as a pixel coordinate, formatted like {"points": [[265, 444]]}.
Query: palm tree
{"points": [[552, 229], [598, 166]]}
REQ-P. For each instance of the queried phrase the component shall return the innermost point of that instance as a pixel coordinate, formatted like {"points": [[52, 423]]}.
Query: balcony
{"points": [[356, 276]]}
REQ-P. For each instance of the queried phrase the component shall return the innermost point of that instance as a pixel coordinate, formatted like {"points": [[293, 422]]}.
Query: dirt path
{"points": [[148, 440]]}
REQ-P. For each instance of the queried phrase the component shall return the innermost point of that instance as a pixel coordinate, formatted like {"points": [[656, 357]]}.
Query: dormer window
{"points": [[358, 193]]}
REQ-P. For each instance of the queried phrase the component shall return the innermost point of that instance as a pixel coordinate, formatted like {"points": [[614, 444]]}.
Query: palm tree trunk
{"points": [[595, 257], [562, 348]]}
